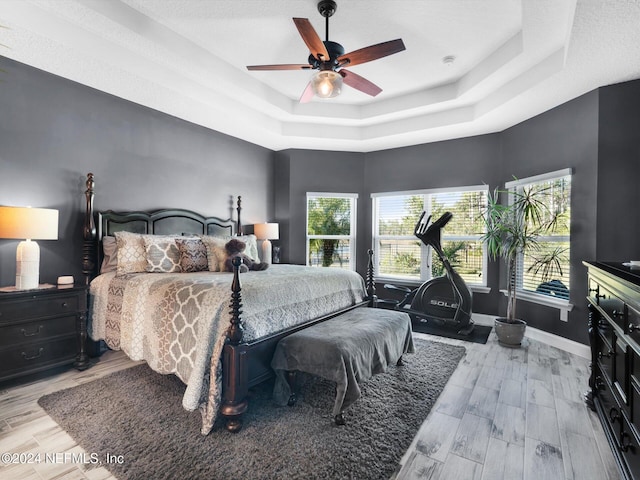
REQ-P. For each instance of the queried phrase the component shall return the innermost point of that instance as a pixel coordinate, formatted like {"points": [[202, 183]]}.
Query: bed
{"points": [[216, 331]]}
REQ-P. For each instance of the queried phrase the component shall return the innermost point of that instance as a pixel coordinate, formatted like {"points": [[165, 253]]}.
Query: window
{"points": [[545, 269], [331, 230], [400, 255]]}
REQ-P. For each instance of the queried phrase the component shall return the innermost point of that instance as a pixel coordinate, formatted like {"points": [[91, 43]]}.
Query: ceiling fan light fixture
{"points": [[328, 57], [326, 84]]}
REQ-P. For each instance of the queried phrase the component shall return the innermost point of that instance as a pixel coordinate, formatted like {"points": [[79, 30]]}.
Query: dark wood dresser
{"points": [[39, 329], [614, 333]]}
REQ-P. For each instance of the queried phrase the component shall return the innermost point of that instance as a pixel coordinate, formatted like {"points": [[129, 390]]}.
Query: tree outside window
{"points": [[331, 230]]}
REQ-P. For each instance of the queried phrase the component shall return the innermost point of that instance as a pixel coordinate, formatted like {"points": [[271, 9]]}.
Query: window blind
{"points": [[400, 254], [545, 269]]}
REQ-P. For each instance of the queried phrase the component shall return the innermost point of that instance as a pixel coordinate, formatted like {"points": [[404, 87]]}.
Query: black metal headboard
{"points": [[162, 222]]}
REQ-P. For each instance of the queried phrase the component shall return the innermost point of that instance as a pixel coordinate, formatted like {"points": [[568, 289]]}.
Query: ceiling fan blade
{"points": [[372, 52], [285, 66], [311, 38], [359, 83], [307, 95]]}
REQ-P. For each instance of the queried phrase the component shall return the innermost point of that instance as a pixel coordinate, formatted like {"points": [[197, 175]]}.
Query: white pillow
{"points": [[252, 246]]}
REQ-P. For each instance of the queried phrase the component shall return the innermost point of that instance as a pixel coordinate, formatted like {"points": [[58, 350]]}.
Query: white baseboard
{"points": [[541, 336], [483, 319]]}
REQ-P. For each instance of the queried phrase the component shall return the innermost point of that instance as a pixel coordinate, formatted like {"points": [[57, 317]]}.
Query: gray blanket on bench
{"points": [[348, 350]]}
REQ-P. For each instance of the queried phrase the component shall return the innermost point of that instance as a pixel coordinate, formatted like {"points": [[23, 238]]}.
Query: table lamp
{"points": [[28, 224], [266, 232]]}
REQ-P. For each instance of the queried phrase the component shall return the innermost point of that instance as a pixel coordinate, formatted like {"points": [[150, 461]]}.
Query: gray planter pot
{"points": [[510, 334]]}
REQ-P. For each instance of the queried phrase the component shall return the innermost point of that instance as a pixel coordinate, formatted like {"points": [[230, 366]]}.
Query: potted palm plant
{"points": [[511, 229]]}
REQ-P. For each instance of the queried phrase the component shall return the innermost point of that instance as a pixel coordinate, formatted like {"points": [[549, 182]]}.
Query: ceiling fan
{"points": [[329, 59]]}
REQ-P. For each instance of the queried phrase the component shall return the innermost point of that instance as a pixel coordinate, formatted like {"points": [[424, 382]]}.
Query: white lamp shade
{"points": [[266, 231], [23, 223]]}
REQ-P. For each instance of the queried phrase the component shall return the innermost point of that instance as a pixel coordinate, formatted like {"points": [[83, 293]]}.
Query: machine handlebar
{"points": [[426, 228]]}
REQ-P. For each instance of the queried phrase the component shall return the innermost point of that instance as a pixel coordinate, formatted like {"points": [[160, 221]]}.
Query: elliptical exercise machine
{"points": [[444, 301]]}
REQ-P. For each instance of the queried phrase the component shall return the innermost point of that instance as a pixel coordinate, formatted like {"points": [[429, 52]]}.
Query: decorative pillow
{"points": [[162, 254], [132, 256], [193, 255], [216, 254], [252, 246], [110, 255]]}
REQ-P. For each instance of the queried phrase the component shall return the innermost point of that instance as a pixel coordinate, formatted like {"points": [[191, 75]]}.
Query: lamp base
{"points": [[27, 265], [266, 251]]}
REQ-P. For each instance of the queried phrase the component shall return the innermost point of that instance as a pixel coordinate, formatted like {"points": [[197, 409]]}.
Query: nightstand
{"points": [[41, 329]]}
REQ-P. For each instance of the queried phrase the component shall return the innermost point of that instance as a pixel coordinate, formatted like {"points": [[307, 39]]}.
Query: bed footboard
{"points": [[235, 368], [243, 365]]}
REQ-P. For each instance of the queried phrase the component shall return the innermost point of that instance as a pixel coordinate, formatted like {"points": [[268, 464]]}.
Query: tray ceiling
{"points": [[511, 60]]}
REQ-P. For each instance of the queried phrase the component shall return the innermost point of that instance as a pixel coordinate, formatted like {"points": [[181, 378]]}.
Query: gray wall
{"points": [[595, 135], [454, 163], [619, 173], [53, 131], [300, 171], [564, 137]]}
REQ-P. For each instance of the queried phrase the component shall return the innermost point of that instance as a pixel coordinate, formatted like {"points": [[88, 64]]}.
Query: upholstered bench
{"points": [[347, 349]]}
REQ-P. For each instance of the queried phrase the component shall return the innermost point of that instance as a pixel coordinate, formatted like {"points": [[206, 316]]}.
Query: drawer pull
{"points": [[65, 304], [633, 328], [603, 296], [605, 355], [625, 445], [614, 415], [616, 313], [33, 334], [33, 357]]}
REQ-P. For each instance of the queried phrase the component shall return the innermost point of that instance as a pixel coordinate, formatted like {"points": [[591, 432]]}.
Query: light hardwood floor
{"points": [[504, 414], [510, 414]]}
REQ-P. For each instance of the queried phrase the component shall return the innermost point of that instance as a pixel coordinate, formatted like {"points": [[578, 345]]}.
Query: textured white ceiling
{"points": [[513, 60]]}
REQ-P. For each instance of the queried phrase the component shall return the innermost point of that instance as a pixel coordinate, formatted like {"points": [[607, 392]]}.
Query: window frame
{"points": [[425, 252], [352, 237], [563, 305]]}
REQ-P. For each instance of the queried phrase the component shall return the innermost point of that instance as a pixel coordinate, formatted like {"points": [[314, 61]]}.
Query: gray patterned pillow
{"points": [[162, 254], [193, 255], [132, 256]]}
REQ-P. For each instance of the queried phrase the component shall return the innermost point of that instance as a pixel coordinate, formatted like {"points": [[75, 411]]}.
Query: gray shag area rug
{"points": [[138, 414]]}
